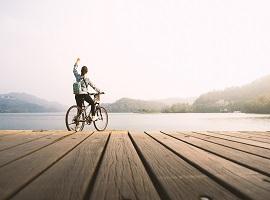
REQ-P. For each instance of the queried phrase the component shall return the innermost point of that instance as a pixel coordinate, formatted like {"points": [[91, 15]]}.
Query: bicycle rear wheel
{"points": [[102, 122], [75, 119]]}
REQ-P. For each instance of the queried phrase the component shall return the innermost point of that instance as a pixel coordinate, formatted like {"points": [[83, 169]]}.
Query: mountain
{"points": [[23, 102], [250, 98], [134, 105], [253, 97], [176, 100], [146, 106]]}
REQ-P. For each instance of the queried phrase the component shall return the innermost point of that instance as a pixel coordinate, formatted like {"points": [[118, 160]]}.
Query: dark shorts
{"points": [[80, 98]]}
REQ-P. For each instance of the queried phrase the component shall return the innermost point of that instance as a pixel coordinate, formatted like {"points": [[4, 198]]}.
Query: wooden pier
{"points": [[134, 165]]}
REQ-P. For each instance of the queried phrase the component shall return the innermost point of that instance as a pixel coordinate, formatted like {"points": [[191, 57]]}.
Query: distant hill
{"points": [[26, 103], [134, 105], [145, 106], [176, 100], [253, 97], [23, 102], [250, 98]]}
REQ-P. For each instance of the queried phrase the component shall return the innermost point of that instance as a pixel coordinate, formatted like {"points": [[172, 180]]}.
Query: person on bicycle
{"points": [[84, 94]]}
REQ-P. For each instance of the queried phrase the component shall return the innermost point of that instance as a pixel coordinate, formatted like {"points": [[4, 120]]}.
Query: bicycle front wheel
{"points": [[102, 121], [75, 119]]}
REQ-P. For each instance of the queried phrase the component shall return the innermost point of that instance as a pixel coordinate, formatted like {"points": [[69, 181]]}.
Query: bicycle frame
{"points": [[84, 109]]}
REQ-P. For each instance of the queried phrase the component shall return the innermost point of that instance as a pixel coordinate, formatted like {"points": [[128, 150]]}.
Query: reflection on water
{"points": [[135, 121]]}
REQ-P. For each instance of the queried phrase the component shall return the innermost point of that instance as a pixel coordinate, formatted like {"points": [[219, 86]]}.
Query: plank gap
{"points": [[158, 186], [88, 192], [232, 140], [239, 137], [206, 139], [4, 149]]}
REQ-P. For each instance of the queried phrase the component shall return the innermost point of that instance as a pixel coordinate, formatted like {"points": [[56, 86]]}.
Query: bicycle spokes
{"points": [[75, 119], [102, 121]]}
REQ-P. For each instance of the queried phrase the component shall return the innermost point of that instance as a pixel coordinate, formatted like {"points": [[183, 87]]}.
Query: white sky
{"points": [[145, 49]]}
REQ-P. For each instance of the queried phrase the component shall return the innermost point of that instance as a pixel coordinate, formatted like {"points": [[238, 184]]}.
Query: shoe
{"points": [[75, 119], [94, 118], [77, 127]]}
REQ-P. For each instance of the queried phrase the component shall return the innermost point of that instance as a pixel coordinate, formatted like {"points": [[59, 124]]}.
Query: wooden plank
{"points": [[121, 174], [252, 134], [14, 135], [20, 173], [69, 178], [239, 140], [236, 134], [4, 133], [176, 177], [14, 132], [259, 133], [247, 183], [262, 152], [10, 155], [259, 164], [19, 139], [9, 134]]}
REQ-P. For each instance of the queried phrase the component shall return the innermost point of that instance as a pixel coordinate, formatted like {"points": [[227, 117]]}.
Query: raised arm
{"points": [[75, 71]]}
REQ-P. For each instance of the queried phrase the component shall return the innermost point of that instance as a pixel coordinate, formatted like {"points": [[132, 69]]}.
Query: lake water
{"points": [[135, 121]]}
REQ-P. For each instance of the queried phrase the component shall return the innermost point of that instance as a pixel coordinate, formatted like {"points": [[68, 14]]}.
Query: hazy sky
{"points": [[144, 49]]}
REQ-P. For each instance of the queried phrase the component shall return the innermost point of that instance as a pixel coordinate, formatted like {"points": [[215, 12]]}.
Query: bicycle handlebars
{"points": [[97, 93]]}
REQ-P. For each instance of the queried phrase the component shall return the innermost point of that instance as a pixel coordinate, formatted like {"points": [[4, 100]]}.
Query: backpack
{"points": [[77, 88]]}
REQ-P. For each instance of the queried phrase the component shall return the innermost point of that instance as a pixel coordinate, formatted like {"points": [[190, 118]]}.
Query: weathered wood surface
{"points": [[264, 135], [253, 162], [261, 152], [19, 139], [258, 133], [177, 178], [69, 177], [134, 165], [4, 133], [240, 140], [17, 152], [253, 137], [17, 175], [247, 183], [121, 174]]}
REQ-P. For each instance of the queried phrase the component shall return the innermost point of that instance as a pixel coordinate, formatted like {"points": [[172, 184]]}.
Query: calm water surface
{"points": [[135, 121]]}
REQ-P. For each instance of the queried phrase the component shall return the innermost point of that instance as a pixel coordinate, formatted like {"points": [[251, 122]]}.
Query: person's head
{"points": [[84, 70]]}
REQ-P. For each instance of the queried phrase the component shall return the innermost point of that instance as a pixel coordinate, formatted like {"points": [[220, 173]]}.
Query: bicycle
{"points": [[76, 117]]}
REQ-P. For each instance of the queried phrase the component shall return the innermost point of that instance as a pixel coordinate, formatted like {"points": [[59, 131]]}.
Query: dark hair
{"points": [[84, 70]]}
